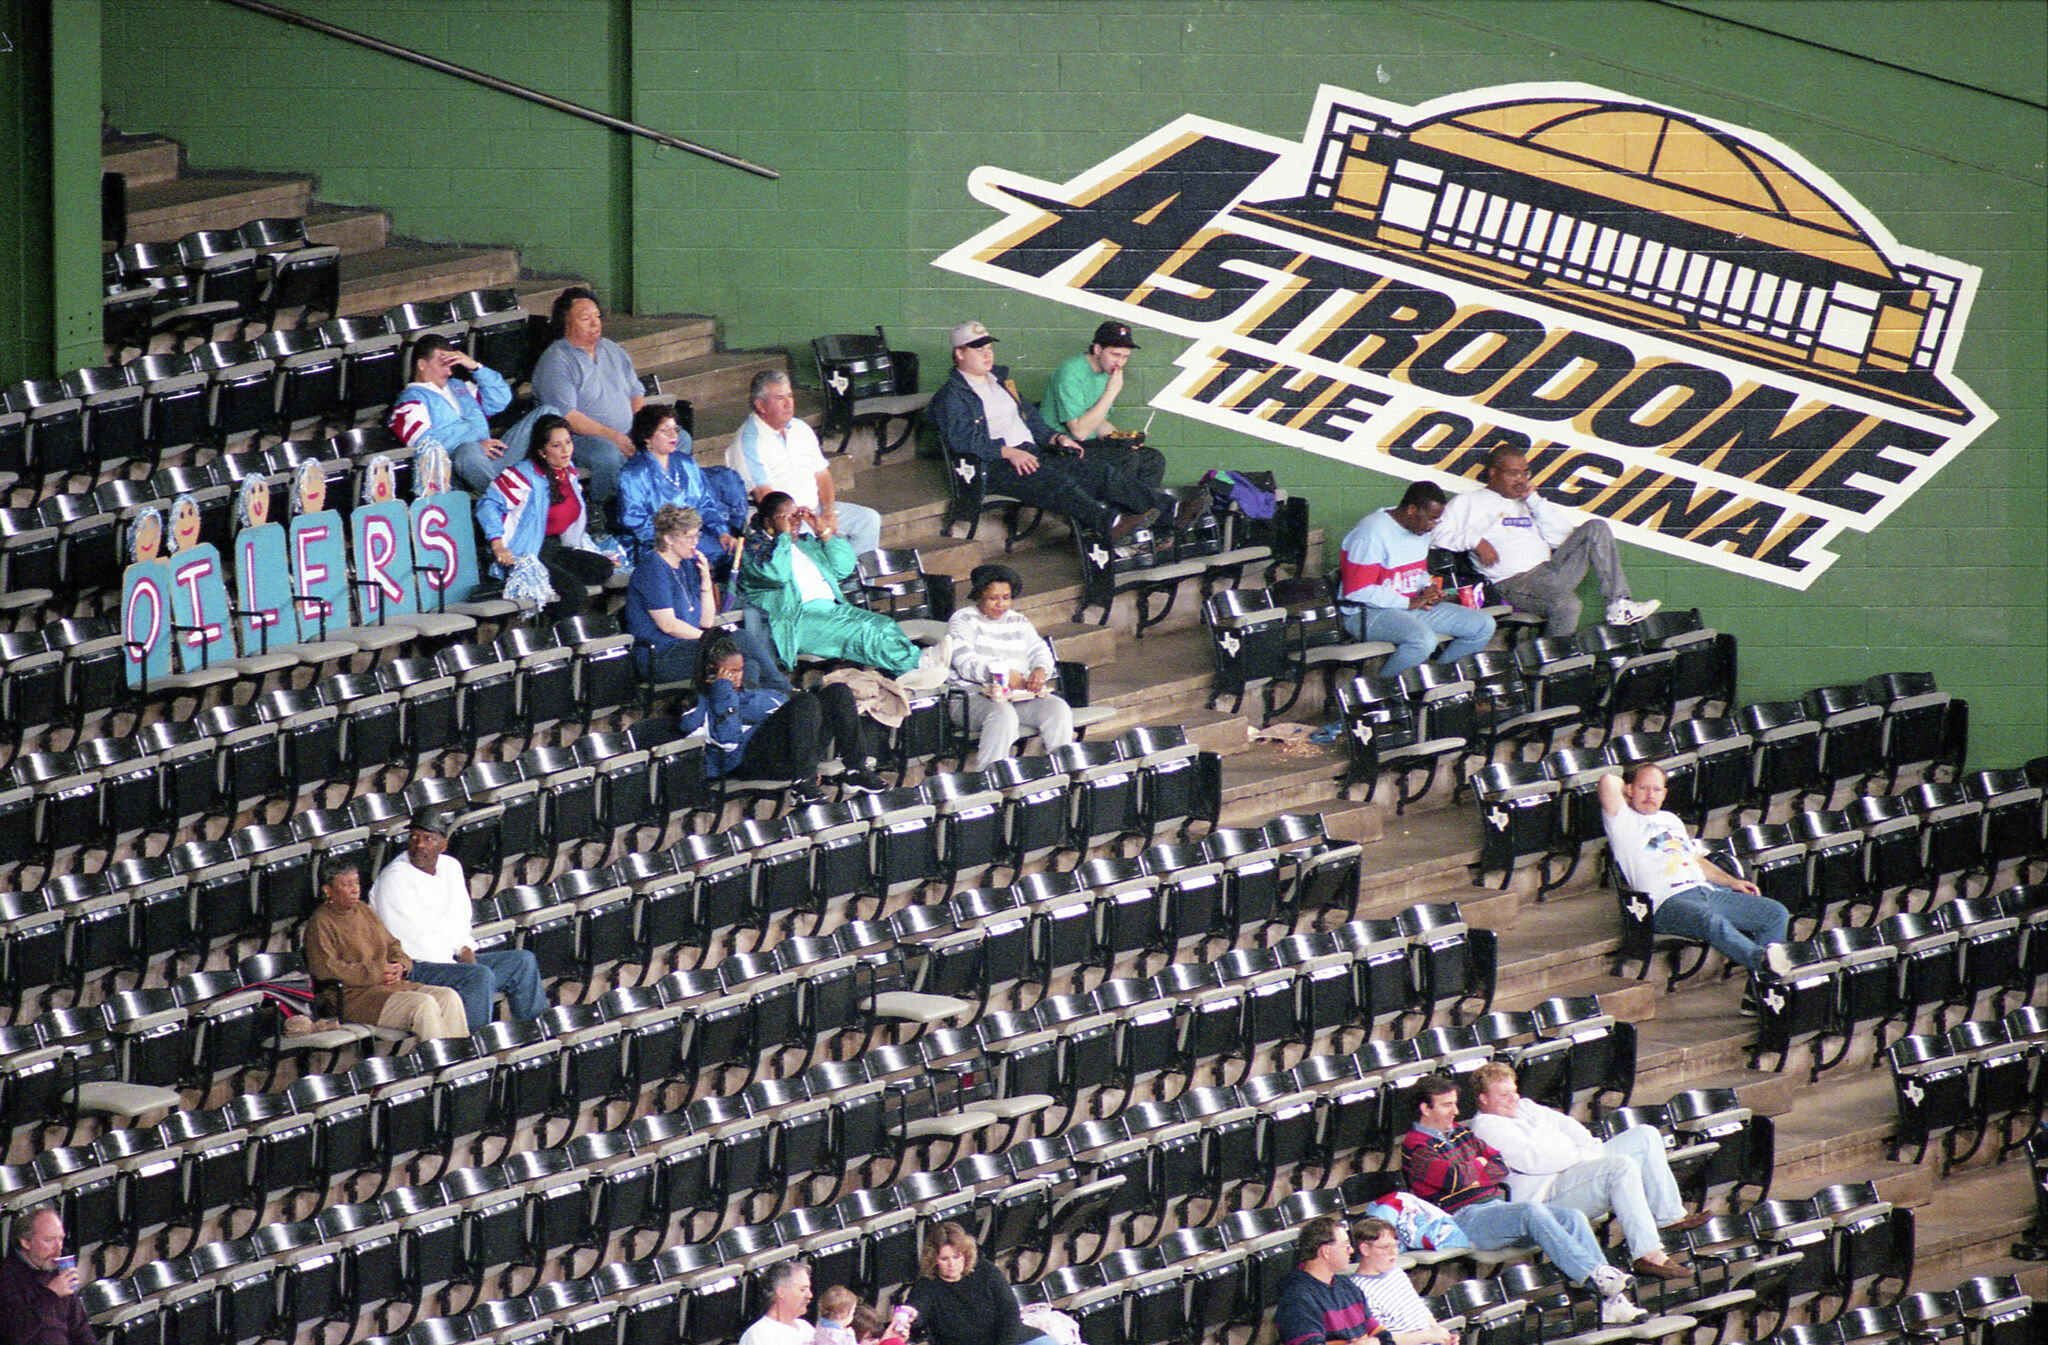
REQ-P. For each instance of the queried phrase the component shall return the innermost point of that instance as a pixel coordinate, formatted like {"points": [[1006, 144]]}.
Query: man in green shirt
{"points": [[1083, 389], [1080, 394]]}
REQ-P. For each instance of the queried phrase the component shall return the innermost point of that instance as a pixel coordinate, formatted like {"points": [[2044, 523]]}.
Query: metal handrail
{"points": [[501, 85]]}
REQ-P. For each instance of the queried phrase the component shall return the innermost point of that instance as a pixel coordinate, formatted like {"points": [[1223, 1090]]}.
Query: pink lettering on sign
{"points": [[431, 537], [189, 577], [379, 548], [311, 573], [142, 620]]}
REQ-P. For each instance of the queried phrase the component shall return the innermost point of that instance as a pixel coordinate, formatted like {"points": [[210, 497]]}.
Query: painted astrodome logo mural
{"points": [[1694, 333]]}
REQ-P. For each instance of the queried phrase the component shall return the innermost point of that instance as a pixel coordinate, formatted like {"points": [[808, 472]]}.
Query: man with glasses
{"points": [[1388, 1290], [1317, 1303]]}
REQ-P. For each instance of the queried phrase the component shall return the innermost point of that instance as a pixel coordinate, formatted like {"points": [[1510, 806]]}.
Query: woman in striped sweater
{"points": [[1004, 663]]}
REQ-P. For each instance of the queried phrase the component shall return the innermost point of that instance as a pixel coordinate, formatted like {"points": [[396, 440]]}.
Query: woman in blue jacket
{"points": [[663, 471], [671, 602], [534, 511], [778, 735]]}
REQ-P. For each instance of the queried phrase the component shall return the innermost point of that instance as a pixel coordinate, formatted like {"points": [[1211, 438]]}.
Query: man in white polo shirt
{"points": [[774, 450]]}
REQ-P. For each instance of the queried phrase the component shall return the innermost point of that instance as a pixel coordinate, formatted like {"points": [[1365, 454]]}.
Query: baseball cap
{"points": [[971, 334], [1115, 334], [435, 820]]}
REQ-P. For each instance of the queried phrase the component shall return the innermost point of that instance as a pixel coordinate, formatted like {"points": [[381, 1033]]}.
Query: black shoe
{"points": [[1123, 525], [804, 793], [862, 781]]}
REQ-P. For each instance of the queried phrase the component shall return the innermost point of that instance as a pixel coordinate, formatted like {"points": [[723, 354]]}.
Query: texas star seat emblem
{"points": [[1692, 331]]}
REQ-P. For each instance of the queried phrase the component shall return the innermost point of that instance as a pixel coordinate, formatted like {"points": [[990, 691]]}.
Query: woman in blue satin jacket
{"points": [[663, 471]]}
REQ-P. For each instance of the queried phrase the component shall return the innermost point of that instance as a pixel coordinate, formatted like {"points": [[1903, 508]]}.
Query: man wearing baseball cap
{"points": [[423, 900], [1081, 394], [980, 416], [1083, 390]]}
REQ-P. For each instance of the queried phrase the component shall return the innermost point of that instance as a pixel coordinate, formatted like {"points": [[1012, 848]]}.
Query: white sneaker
{"points": [[1609, 1282], [939, 655], [1618, 1311], [1777, 961], [1627, 611]]}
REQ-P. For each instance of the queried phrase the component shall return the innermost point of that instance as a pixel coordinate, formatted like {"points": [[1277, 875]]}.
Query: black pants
{"points": [[1137, 463], [570, 570], [807, 728], [1091, 491]]}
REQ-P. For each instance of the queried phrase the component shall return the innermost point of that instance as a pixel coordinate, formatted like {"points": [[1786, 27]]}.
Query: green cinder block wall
{"points": [[1934, 115]]}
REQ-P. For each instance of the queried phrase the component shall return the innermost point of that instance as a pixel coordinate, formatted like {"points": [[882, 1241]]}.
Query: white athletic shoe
{"points": [[1627, 611], [1618, 1311], [1777, 961], [1608, 1282]]}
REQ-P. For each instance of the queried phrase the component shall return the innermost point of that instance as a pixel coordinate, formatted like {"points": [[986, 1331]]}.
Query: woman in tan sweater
{"points": [[347, 945]]}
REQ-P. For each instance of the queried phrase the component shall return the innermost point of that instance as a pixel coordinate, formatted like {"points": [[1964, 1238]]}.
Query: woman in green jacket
{"points": [[793, 579]]}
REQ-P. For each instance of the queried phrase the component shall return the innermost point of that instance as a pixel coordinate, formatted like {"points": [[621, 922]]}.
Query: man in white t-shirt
{"points": [[774, 450], [789, 1293], [1536, 552], [1689, 895], [423, 899]]}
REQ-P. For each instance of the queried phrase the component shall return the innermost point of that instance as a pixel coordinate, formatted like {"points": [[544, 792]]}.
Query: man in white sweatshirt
{"points": [[1536, 552], [1554, 1159]]}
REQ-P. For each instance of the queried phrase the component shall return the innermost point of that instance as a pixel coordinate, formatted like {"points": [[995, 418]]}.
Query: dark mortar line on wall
{"points": [[1852, 55], [1718, 91]]}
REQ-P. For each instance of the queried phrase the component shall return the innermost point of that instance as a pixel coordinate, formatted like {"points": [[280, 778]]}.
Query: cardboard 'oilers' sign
{"points": [[1693, 332]]}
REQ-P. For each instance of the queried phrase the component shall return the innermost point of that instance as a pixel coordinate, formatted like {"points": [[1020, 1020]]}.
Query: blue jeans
{"points": [[473, 468], [511, 970], [1413, 633], [859, 525], [1736, 924], [603, 460], [1563, 1234]]}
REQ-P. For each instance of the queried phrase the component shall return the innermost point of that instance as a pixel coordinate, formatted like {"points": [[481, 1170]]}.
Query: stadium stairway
{"points": [[1834, 1130]]}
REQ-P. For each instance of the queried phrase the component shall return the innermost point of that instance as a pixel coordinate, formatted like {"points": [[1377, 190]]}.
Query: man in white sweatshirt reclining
{"points": [[1536, 552], [1554, 1159]]}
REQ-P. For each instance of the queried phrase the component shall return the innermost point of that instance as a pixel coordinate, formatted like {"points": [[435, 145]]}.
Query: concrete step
{"points": [[657, 343], [712, 377], [1264, 780], [537, 294], [1992, 1259], [165, 211], [1091, 645], [349, 228], [408, 272], [145, 159]]}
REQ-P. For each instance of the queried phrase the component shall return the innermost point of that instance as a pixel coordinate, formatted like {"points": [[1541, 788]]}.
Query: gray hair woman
{"points": [[1004, 664]]}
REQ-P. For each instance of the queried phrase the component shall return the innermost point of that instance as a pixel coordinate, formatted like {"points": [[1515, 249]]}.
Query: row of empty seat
{"points": [[289, 381], [210, 277], [669, 1173]]}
